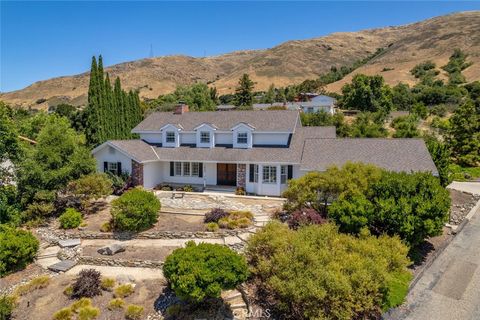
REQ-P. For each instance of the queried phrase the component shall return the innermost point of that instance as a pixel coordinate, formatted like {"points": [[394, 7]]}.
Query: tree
{"points": [[323, 118], [413, 206], [135, 210], [405, 127], [270, 94], [197, 96], [244, 92], [17, 249], [202, 271], [441, 157], [90, 187], [9, 206], [58, 157], [456, 64], [402, 97], [318, 273], [367, 93], [9, 145], [368, 125], [464, 135]]}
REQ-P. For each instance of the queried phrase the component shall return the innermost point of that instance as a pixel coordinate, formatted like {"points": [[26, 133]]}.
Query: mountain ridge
{"points": [[287, 63]]}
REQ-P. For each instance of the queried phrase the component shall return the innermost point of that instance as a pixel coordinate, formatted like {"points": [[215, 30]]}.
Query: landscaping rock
{"points": [[69, 243], [112, 249], [62, 266]]}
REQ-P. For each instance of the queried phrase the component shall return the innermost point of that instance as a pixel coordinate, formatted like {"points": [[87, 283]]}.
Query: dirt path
{"points": [[136, 273]]}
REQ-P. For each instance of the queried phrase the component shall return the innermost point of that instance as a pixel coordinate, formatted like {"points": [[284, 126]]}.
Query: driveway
{"points": [[470, 187], [450, 288]]}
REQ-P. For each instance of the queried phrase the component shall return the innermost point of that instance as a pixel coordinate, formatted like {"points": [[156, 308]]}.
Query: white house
{"points": [[257, 150], [319, 103]]}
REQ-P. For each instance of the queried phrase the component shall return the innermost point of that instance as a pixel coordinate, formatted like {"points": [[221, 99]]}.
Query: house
{"points": [[257, 150], [319, 103]]}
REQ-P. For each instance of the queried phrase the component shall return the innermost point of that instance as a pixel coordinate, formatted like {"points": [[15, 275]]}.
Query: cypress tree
{"points": [[91, 130]]}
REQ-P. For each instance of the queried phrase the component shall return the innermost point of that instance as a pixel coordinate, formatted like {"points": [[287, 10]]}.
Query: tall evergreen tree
{"points": [[244, 92]]}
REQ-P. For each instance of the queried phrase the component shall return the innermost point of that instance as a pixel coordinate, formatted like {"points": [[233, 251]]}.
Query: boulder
{"points": [[112, 249]]}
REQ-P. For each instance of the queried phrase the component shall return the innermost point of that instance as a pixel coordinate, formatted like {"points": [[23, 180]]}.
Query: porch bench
{"points": [[177, 194]]}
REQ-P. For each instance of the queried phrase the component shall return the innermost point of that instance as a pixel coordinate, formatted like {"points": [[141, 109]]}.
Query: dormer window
{"points": [[242, 138], [170, 137], [204, 137]]}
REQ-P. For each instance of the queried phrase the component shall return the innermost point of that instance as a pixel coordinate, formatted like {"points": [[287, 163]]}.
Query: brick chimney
{"points": [[181, 109]]}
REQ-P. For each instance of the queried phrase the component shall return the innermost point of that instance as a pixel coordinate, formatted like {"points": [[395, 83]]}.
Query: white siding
{"points": [[187, 138], [209, 175], [151, 137], [152, 174], [223, 138], [109, 154], [270, 138]]}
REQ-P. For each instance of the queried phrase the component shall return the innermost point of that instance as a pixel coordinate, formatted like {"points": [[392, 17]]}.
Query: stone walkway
{"points": [[469, 187], [136, 274]]}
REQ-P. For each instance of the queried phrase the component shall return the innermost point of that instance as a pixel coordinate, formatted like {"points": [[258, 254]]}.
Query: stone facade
{"points": [[137, 263], [241, 175], [137, 173]]}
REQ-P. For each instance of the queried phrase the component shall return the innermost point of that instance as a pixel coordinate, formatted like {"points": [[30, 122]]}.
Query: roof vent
{"points": [[181, 109]]}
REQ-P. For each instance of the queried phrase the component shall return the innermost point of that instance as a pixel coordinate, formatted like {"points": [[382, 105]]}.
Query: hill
{"points": [[288, 63]]}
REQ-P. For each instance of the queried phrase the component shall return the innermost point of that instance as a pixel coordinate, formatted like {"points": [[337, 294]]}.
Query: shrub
{"points": [[135, 210], [235, 215], [91, 186], [70, 219], [194, 272], [353, 274], [212, 226], [34, 284], [214, 215], [116, 303], [7, 304], [123, 290], [133, 312], [88, 313], [81, 303], [304, 217], [68, 291], [87, 284], [63, 314], [17, 249], [107, 284], [106, 227], [414, 206], [188, 188], [240, 191]]}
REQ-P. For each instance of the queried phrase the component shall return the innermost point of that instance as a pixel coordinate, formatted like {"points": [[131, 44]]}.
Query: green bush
{"points": [[116, 303], [63, 314], [106, 227], [17, 249], [88, 313], [68, 291], [7, 304], [81, 303], [107, 284], [133, 312], [212, 226], [70, 219], [135, 210], [123, 290], [318, 273], [194, 272]]}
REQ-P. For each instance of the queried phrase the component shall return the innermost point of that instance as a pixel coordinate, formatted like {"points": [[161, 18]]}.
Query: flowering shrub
{"points": [[305, 216]]}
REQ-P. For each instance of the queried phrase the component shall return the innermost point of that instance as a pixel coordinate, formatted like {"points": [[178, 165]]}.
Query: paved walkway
{"points": [[450, 288], [136, 274], [470, 187]]}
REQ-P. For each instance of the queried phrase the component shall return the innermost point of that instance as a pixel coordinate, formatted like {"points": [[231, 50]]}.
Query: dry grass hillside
{"points": [[287, 63]]}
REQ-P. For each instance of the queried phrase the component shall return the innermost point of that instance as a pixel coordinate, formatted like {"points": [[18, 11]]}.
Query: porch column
{"points": [[241, 175], [137, 173]]}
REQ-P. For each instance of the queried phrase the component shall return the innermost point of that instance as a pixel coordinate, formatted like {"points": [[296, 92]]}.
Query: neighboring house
{"points": [[257, 150], [319, 103]]}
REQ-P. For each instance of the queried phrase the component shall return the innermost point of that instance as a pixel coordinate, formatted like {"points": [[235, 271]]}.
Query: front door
{"points": [[227, 174]]}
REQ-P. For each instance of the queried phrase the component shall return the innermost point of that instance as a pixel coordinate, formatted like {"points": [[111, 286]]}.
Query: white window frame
{"points": [[283, 174], [269, 175], [178, 169], [204, 137], [112, 167], [241, 136], [195, 170], [170, 137], [186, 168], [255, 173]]}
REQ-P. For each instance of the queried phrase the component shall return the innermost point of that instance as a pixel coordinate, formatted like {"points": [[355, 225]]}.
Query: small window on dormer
{"points": [[170, 138], [242, 138], [204, 137]]}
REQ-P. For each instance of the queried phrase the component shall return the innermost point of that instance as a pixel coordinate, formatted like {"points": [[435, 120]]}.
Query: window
{"points": [[112, 167], [187, 169], [310, 110], [195, 169], [178, 168], [242, 138], [255, 173], [170, 138], [283, 174], [269, 174], [204, 137]]}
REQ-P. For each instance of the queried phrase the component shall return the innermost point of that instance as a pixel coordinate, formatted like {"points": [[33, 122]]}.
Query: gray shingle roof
{"points": [[138, 149], [391, 154], [273, 121]]}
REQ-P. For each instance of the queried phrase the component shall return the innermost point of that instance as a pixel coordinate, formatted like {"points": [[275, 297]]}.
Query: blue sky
{"points": [[41, 40]]}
